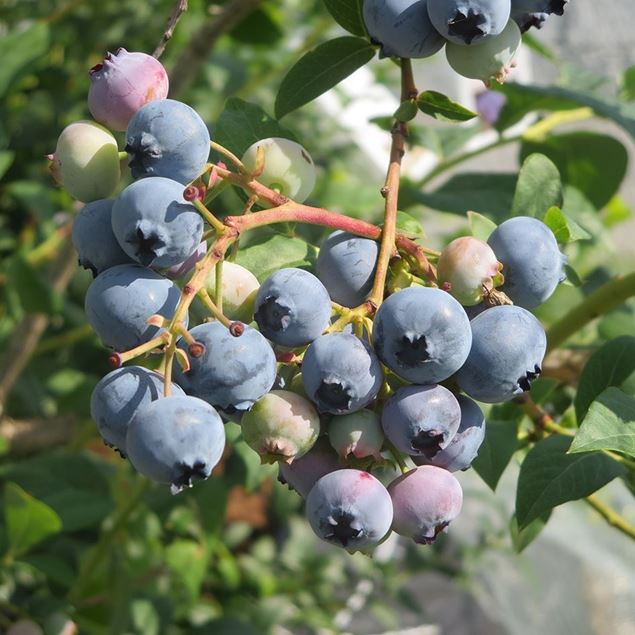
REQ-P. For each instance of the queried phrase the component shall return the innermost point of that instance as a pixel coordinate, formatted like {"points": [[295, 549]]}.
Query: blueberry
{"points": [[119, 396], [288, 168], [469, 21], [181, 269], [508, 346], [167, 138], [528, 13], [303, 473], [358, 434], [281, 426], [466, 442], [177, 440], [233, 372], [532, 262], [425, 501], [94, 239], [121, 299], [422, 334], [489, 105], [154, 224], [292, 307], [121, 84], [402, 28], [86, 161], [239, 291], [346, 266], [341, 374], [469, 268], [421, 420], [350, 509], [493, 59]]}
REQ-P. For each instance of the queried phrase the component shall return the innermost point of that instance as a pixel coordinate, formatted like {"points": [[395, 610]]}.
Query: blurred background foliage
{"points": [[83, 538]]}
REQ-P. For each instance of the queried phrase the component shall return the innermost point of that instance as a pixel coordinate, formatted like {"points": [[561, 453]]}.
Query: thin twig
{"points": [[179, 9], [188, 65], [611, 516]]}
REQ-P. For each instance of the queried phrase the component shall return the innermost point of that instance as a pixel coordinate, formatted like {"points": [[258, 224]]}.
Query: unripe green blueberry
{"points": [[359, 434], [281, 426], [288, 168], [492, 59], [468, 269], [86, 161], [239, 291]]}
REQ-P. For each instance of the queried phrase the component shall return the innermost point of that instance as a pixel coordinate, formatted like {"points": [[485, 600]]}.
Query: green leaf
{"points": [[593, 163], [523, 99], [616, 211], [573, 277], [489, 194], [550, 477], [275, 252], [565, 229], [18, 50], [480, 226], [321, 69], [407, 111], [188, 561], [522, 538], [627, 84], [539, 187], [612, 365], [539, 47], [241, 124], [496, 451], [35, 294], [409, 225], [609, 424], [348, 14], [28, 520], [6, 159], [262, 27], [441, 107]]}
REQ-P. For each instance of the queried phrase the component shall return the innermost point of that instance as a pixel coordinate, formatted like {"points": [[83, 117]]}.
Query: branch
{"points": [[26, 336], [608, 297], [34, 435], [196, 54], [179, 9], [611, 516]]}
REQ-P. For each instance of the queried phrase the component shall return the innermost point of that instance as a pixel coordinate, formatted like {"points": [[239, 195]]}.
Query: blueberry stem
{"points": [[229, 155], [209, 218], [218, 289], [397, 456], [213, 308], [608, 297], [611, 516]]}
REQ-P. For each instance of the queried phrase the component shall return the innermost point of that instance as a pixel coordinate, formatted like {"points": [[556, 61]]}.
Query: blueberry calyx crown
{"points": [[334, 395], [412, 350], [428, 442], [147, 246], [524, 382], [467, 27], [273, 314], [429, 540], [143, 150], [187, 474], [342, 528]]}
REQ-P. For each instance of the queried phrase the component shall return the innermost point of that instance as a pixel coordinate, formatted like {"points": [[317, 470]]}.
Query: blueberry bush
{"points": [[267, 347]]}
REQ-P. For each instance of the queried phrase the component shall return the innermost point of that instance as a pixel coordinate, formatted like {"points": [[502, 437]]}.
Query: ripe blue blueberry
{"points": [[154, 224], [121, 299], [469, 21], [167, 138], [421, 420], [466, 442], [402, 28], [532, 261], [350, 509], [358, 434], [233, 372], [183, 268], [303, 473], [119, 396], [177, 440], [281, 426], [346, 266], [341, 374], [292, 307], [422, 334], [425, 501], [508, 346], [94, 240]]}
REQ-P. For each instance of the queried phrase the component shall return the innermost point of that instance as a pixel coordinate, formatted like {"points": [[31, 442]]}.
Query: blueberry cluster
{"points": [[481, 37], [333, 389]]}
